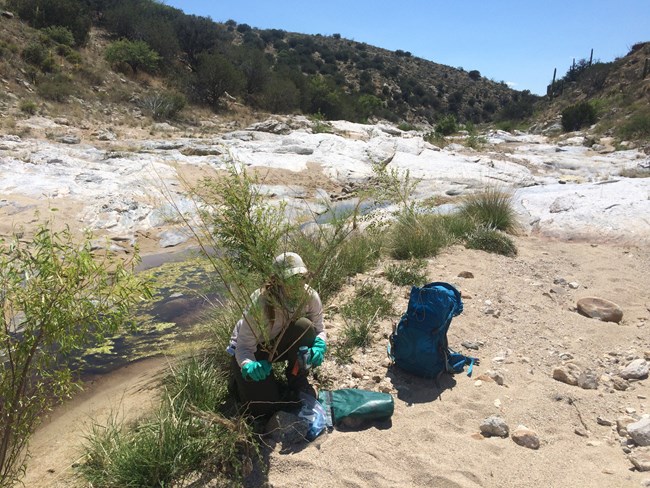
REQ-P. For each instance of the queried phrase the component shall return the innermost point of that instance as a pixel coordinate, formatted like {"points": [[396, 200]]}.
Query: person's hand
{"points": [[256, 370], [318, 349]]}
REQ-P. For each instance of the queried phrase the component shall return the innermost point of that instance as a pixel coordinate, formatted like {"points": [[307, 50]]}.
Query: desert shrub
{"points": [[136, 55], [28, 107], [491, 240], [73, 57], [447, 125], [636, 127], [406, 126], [216, 75], [60, 35], [37, 55], [407, 273], [475, 75], [491, 207], [56, 88], [577, 116], [163, 106], [456, 225]]}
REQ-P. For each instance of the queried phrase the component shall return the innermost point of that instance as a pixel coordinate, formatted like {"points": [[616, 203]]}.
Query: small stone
{"points": [[619, 383], [494, 426], [641, 397], [567, 373], [603, 421], [485, 378], [376, 378], [525, 437], [637, 369], [470, 345], [630, 410], [599, 308], [497, 403], [594, 443], [622, 423], [588, 380], [566, 356], [465, 274], [385, 389], [497, 376], [466, 295], [608, 471], [574, 285], [640, 432], [386, 363], [559, 281], [357, 374], [478, 383], [581, 432], [640, 458]]}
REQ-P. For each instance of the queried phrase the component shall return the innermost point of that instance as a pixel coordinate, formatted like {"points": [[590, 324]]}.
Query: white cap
{"points": [[289, 264]]}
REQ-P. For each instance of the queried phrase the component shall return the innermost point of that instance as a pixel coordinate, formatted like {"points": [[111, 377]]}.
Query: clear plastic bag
{"points": [[314, 414]]}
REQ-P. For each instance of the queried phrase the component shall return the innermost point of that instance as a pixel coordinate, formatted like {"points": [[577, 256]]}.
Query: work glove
{"points": [[256, 370], [317, 350]]}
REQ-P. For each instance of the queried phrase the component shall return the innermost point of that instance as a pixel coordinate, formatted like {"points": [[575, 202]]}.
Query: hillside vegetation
{"points": [[73, 44], [612, 95]]}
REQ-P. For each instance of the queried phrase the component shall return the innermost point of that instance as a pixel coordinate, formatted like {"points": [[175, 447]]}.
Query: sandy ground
{"points": [[433, 437], [126, 394]]}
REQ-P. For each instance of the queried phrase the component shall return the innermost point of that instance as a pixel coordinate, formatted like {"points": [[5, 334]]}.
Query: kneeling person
{"points": [[285, 314]]}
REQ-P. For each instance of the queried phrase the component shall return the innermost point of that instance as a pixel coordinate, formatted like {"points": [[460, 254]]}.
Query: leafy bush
{"points": [[577, 116], [447, 125], [475, 75], [56, 88], [163, 106], [60, 35], [136, 55], [491, 207], [28, 107], [216, 75], [56, 298], [408, 273], [38, 55], [636, 127], [491, 240]]}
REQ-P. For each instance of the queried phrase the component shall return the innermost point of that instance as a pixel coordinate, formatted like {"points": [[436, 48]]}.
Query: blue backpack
{"points": [[419, 342]]}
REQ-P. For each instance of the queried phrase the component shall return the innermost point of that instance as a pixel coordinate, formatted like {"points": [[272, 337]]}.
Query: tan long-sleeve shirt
{"points": [[247, 334]]}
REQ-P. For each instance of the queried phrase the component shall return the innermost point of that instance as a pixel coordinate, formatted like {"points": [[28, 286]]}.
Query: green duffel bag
{"points": [[354, 404]]}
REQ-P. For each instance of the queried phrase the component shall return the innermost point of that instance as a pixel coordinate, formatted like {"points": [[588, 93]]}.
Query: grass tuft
{"points": [[491, 240], [491, 208], [369, 305], [409, 273]]}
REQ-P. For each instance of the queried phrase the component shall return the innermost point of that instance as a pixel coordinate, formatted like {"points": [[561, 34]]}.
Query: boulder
{"points": [[641, 459], [639, 432], [494, 426], [599, 308], [171, 238], [622, 423], [271, 125], [70, 139], [8, 15], [637, 369], [567, 373], [525, 437]]}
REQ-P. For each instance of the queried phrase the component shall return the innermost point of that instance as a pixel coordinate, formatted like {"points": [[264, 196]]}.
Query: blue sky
{"points": [[519, 42]]}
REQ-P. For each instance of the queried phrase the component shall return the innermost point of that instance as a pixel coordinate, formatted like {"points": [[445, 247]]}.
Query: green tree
{"points": [[215, 76], [137, 55], [55, 297]]}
